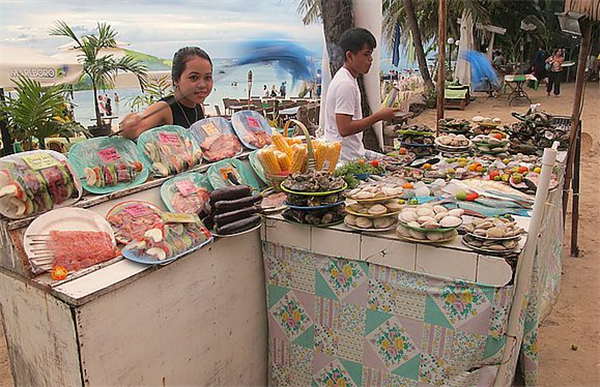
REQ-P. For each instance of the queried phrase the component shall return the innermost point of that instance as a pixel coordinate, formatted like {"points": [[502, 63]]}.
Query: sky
{"points": [[159, 27]]}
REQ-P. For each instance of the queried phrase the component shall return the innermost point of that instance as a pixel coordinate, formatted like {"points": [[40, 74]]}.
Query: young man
{"points": [[343, 116]]}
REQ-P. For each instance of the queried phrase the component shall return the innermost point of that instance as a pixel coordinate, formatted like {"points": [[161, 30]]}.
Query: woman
{"points": [[192, 81], [554, 67]]}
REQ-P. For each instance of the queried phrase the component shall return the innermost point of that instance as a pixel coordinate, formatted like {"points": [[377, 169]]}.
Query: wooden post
{"points": [[441, 65], [586, 40], [575, 208]]}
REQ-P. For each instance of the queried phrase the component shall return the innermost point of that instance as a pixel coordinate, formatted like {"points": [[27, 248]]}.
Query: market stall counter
{"points": [[123, 323]]}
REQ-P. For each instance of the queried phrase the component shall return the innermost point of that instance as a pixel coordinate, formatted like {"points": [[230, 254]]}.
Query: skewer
{"points": [[39, 235]]}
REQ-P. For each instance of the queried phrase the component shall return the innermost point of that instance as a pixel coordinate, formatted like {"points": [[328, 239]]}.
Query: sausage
{"points": [[224, 206], [233, 216], [239, 226], [230, 193]]}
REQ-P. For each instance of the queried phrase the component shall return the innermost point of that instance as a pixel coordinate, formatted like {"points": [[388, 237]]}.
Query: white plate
{"points": [[501, 253], [62, 219]]}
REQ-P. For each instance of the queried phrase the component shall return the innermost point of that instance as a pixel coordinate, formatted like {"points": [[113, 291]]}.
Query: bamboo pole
{"points": [[575, 116], [575, 208], [441, 65]]}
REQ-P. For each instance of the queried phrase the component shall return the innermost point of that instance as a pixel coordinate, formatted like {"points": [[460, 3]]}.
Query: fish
{"points": [[488, 211], [495, 203]]}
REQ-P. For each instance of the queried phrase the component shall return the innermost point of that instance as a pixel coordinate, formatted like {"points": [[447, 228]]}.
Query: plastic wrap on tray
{"points": [[252, 128], [168, 241], [170, 149], [36, 182], [130, 220], [230, 172], [216, 138], [186, 193], [107, 164]]}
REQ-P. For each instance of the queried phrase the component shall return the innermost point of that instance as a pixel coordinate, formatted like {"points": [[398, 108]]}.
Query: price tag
{"points": [[40, 161], [254, 123], [169, 138], [136, 210], [186, 187], [109, 155], [176, 217], [210, 129]]}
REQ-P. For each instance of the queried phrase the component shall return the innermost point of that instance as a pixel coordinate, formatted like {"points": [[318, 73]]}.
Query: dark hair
{"points": [[182, 56], [354, 40]]}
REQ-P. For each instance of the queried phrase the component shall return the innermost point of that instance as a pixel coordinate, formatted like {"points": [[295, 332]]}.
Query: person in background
{"points": [[108, 106], [555, 71], [101, 106], [265, 91], [282, 90], [539, 64], [319, 81], [116, 98], [192, 75], [274, 92], [343, 113]]}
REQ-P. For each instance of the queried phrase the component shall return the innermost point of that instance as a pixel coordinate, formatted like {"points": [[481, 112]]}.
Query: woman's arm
{"points": [[157, 114]]}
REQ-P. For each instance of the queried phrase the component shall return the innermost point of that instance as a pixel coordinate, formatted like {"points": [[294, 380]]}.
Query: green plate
{"points": [[314, 193], [240, 170], [257, 166]]}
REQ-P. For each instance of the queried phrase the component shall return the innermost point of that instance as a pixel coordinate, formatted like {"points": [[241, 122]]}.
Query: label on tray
{"points": [[40, 161], [186, 187], [254, 123], [210, 129], [109, 155], [137, 210], [169, 138], [176, 217]]}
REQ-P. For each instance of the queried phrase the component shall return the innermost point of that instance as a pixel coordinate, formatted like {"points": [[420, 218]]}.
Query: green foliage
{"points": [[38, 113], [102, 70], [154, 91]]}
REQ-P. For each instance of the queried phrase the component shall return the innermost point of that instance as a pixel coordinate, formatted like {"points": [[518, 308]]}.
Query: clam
{"points": [[456, 212], [424, 211], [364, 195], [350, 220], [477, 119], [417, 234], [403, 231], [450, 221], [407, 216], [435, 236], [356, 207], [410, 209], [431, 224], [414, 225], [424, 219], [480, 232], [495, 232], [470, 227], [440, 209], [497, 247], [440, 216], [449, 234]]}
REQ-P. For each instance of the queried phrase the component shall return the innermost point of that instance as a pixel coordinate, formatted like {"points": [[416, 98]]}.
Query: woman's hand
{"points": [[131, 126]]}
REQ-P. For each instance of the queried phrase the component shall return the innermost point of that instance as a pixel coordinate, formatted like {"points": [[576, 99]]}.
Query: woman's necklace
{"points": [[185, 115]]}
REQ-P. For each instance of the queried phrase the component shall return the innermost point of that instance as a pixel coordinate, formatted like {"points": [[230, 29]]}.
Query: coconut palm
{"points": [[38, 112], [101, 70]]}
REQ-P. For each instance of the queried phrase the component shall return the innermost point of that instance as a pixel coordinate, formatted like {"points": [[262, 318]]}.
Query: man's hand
{"points": [[386, 113]]}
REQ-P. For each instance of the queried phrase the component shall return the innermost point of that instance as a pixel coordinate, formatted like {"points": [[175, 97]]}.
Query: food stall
{"points": [[317, 302]]}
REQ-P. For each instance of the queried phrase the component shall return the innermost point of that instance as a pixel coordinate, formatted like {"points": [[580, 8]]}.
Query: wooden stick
{"points": [[441, 79]]}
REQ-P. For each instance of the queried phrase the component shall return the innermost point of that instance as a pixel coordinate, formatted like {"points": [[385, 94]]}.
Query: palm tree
{"points": [[102, 70], [37, 112]]}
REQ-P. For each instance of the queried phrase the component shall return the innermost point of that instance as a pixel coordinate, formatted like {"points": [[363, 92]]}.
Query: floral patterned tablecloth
{"points": [[338, 322]]}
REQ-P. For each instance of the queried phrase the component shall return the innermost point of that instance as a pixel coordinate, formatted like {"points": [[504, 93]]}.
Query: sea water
{"points": [[229, 82]]}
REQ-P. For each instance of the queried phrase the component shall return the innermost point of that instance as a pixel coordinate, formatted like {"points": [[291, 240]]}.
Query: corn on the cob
{"points": [[293, 140], [333, 154], [299, 156], [281, 144], [269, 161], [284, 161], [319, 149]]}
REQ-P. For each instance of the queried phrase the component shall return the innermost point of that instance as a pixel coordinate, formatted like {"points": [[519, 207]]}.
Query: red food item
{"points": [[472, 196], [523, 170], [257, 139], [76, 250], [190, 204], [129, 226], [497, 136], [221, 146], [375, 163], [59, 273]]}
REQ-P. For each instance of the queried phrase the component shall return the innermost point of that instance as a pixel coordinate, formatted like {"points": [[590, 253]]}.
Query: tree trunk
{"points": [[337, 18], [96, 105], [411, 19]]}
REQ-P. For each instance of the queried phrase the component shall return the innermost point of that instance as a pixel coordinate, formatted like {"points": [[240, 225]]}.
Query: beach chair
{"points": [[457, 96]]}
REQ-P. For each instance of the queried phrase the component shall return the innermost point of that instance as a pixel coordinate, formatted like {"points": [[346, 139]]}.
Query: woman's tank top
{"points": [[183, 115]]}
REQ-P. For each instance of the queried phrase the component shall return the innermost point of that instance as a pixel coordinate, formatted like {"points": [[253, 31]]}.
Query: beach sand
{"points": [[576, 316]]}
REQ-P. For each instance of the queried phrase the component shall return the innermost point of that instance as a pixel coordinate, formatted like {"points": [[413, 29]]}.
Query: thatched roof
{"points": [[590, 8]]}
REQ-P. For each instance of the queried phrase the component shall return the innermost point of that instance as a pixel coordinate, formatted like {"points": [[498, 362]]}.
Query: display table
{"points": [[342, 307], [518, 81], [198, 321]]}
